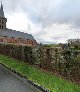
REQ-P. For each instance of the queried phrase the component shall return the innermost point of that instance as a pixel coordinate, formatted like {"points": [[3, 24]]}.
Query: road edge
{"points": [[41, 88]]}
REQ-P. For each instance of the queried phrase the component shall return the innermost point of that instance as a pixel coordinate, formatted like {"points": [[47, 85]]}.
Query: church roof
{"points": [[13, 33], [1, 11], [16, 34]]}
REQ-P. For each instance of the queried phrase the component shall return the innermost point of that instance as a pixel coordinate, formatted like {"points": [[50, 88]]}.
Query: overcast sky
{"points": [[52, 21]]}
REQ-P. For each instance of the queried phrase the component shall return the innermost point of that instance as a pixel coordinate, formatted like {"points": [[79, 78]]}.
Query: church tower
{"points": [[3, 20]]}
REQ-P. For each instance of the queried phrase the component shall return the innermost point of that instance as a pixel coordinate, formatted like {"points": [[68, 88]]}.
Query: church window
{"points": [[2, 27], [2, 22]]}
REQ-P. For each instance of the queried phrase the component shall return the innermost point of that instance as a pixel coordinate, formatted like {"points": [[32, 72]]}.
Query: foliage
{"points": [[63, 62], [45, 79], [50, 45], [18, 52]]}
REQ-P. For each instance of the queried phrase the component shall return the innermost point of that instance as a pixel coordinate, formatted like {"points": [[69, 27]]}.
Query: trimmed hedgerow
{"points": [[65, 63], [19, 52]]}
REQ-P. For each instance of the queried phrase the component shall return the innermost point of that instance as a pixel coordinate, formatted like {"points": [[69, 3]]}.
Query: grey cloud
{"points": [[45, 12], [10, 6], [69, 12]]}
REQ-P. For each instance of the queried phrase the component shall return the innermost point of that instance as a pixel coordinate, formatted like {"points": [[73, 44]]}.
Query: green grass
{"points": [[50, 45], [53, 83]]}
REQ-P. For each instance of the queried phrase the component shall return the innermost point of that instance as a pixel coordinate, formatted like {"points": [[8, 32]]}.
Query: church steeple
{"points": [[1, 6], [3, 20], [1, 10]]}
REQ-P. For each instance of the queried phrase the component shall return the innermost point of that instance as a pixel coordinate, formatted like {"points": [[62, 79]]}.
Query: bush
{"points": [[63, 62], [23, 53]]}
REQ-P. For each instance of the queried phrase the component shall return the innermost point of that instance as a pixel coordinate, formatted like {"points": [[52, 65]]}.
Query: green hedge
{"points": [[62, 62], [65, 63], [23, 53]]}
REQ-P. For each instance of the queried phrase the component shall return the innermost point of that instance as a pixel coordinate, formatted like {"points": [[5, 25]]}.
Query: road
{"points": [[9, 82]]}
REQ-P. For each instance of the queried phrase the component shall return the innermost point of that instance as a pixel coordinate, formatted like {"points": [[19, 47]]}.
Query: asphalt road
{"points": [[9, 82]]}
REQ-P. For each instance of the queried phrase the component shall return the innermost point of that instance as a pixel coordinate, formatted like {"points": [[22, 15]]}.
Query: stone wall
{"points": [[3, 22]]}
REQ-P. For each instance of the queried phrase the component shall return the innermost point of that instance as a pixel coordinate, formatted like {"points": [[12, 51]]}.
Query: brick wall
{"points": [[18, 41]]}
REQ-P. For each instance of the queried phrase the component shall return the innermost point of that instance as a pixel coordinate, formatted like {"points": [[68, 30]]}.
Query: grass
{"points": [[50, 45], [53, 83]]}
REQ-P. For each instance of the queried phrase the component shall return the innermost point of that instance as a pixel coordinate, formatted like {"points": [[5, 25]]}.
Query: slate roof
{"points": [[15, 34]]}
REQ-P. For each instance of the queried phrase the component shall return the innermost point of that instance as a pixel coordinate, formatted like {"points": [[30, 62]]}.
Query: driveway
{"points": [[10, 82]]}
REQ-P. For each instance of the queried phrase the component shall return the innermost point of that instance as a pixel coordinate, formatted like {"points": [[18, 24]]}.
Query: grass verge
{"points": [[53, 83]]}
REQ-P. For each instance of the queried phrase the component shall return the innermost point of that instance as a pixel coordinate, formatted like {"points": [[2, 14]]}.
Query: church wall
{"points": [[12, 40], [17, 41]]}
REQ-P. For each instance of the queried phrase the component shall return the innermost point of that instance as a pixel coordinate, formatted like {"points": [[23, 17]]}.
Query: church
{"points": [[9, 36]]}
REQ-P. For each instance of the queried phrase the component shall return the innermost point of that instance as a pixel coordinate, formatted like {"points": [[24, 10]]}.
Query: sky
{"points": [[49, 21]]}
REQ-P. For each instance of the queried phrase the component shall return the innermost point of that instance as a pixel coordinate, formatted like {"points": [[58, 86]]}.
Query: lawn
{"points": [[53, 83]]}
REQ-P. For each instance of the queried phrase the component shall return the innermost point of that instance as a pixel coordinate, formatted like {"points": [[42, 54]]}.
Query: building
{"points": [[12, 36]]}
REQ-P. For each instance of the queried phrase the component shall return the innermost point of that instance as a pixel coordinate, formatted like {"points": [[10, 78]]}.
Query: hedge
{"points": [[65, 63]]}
